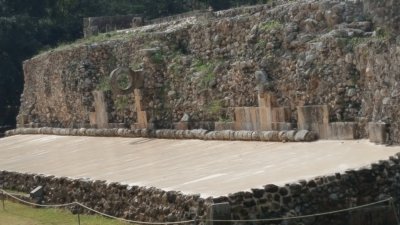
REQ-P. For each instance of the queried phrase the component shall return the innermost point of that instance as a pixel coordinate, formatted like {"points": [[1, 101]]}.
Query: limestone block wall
{"points": [[334, 53], [323, 194]]}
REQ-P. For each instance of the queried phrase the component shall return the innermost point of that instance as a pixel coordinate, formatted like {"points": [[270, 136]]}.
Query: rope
{"points": [[306, 216], [132, 221], [390, 200], [95, 211], [34, 204]]}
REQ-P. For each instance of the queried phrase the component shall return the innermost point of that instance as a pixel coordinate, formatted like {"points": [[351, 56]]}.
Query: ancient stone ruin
{"points": [[329, 67], [284, 71]]}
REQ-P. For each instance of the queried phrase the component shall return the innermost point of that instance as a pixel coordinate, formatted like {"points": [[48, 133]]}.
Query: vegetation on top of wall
{"points": [[104, 84], [381, 34], [102, 37], [271, 25]]}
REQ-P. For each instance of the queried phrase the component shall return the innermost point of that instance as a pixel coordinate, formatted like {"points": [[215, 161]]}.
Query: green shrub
{"points": [[104, 84], [121, 103], [271, 25]]}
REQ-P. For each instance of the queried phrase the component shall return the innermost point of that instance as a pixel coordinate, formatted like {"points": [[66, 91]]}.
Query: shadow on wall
{"points": [[7, 119]]}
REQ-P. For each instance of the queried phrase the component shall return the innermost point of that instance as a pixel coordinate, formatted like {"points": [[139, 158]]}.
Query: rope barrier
{"points": [[95, 211], [306, 216], [390, 200], [132, 221], [34, 204]]}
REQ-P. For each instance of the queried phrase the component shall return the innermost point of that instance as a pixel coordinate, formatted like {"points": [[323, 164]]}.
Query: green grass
{"points": [[18, 214]]}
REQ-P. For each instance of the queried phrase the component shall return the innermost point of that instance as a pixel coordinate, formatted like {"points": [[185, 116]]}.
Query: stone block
{"points": [[220, 211], [181, 125], [22, 120], [265, 122], [320, 129], [281, 126], [94, 25], [116, 125], [342, 131], [246, 118], [92, 118], [281, 114], [314, 118], [266, 100], [100, 109], [252, 118], [310, 114], [142, 119], [378, 132], [304, 135], [224, 125]]}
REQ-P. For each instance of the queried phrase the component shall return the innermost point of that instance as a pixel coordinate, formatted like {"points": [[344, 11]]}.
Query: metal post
{"points": [[3, 196], [79, 219], [219, 211], [392, 205]]}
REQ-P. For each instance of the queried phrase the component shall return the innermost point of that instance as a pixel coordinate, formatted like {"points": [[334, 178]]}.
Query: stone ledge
{"points": [[268, 136]]}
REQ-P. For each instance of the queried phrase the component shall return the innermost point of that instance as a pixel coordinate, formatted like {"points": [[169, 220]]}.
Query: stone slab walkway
{"points": [[211, 168]]}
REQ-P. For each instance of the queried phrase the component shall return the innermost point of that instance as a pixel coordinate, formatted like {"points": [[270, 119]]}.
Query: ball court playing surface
{"points": [[209, 168]]}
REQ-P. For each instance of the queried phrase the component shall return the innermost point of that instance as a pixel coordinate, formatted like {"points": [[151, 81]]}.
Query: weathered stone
{"points": [[270, 188], [283, 191], [141, 203], [314, 118], [342, 131], [304, 135], [224, 125], [378, 133], [258, 193]]}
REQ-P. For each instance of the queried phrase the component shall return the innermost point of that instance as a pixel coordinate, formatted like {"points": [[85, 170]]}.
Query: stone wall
{"points": [[124, 201], [95, 25], [376, 182], [323, 194], [333, 53]]}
